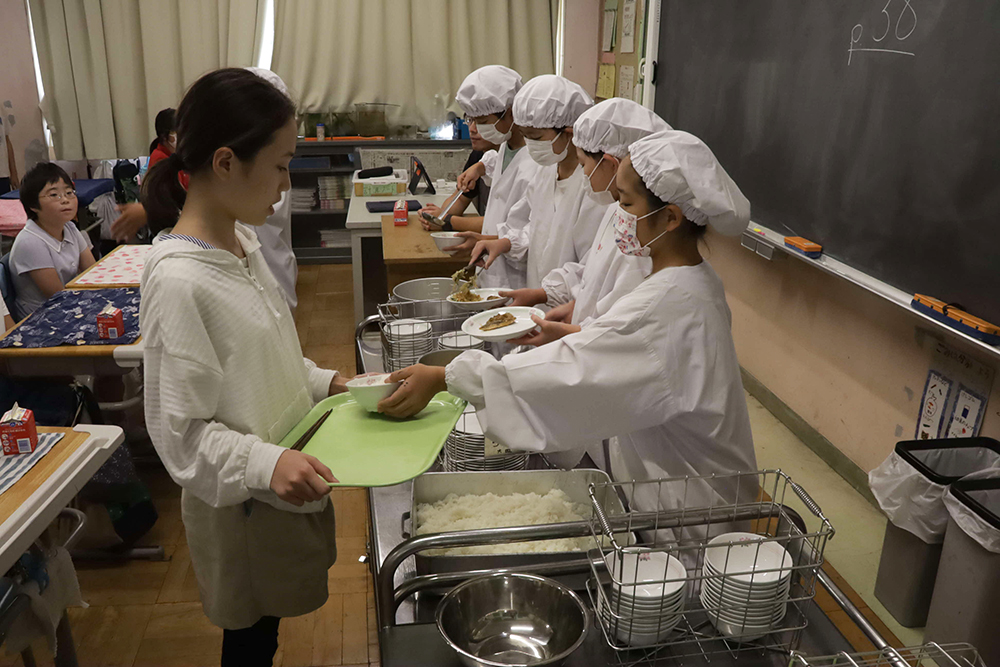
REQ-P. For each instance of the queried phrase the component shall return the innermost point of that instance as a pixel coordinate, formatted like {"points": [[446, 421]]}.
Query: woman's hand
{"points": [[563, 313], [338, 385], [420, 384], [526, 297], [300, 478], [491, 250], [546, 333], [467, 179]]}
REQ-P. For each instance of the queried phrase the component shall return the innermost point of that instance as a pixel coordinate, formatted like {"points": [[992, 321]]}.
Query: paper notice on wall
{"points": [[967, 414], [608, 36], [626, 80], [955, 396], [936, 393], [606, 82], [628, 28]]}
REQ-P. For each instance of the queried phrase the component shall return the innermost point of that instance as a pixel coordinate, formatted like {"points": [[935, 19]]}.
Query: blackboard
{"points": [[888, 156]]}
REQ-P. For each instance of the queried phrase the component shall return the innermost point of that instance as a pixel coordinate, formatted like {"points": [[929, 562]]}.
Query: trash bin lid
{"points": [[982, 496], [947, 460]]}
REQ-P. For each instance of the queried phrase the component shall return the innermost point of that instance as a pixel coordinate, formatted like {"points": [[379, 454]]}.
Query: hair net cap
{"points": [[680, 169], [487, 90], [613, 125], [550, 101], [270, 77]]}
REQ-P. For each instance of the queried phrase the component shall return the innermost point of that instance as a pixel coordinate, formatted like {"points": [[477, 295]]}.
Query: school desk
{"points": [[409, 253]]}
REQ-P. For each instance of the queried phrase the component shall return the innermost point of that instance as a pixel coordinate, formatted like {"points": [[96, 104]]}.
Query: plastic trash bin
{"points": [[967, 590], [910, 486]]}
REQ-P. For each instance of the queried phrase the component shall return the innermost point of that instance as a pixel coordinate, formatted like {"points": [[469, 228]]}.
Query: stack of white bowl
{"points": [[743, 599], [456, 340], [407, 341], [465, 449], [649, 602]]}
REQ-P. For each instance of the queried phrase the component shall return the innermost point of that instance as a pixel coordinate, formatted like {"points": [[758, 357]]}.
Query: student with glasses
{"points": [[50, 250]]}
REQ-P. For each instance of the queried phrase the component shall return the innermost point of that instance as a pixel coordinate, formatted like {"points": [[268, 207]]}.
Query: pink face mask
{"points": [[626, 237]]}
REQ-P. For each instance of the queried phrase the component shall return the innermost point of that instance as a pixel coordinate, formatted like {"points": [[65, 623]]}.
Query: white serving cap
{"points": [[613, 125], [550, 101], [487, 90], [680, 169], [270, 77]]}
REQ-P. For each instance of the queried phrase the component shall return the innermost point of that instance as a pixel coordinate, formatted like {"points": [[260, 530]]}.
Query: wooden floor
{"points": [[147, 614]]}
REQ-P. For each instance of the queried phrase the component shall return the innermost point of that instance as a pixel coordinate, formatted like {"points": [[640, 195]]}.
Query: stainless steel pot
{"points": [[426, 298], [440, 358], [512, 619]]}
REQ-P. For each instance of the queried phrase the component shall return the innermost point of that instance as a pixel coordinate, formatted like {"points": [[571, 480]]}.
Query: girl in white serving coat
{"points": [[225, 376], [562, 220], [581, 291], [658, 372], [487, 97]]}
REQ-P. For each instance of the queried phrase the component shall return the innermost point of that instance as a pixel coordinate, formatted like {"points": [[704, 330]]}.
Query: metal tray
{"points": [[434, 486]]}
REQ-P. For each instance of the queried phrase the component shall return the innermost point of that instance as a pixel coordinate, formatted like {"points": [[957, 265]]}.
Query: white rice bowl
{"points": [[471, 511]]}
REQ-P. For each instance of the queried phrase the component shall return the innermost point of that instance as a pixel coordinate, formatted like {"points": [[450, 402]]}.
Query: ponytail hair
{"points": [[230, 108]]}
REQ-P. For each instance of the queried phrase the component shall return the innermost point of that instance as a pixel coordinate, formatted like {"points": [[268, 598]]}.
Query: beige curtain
{"points": [[108, 66], [413, 53]]}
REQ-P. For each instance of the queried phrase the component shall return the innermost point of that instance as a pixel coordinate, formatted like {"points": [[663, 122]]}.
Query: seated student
{"points": [[452, 211], [165, 142], [50, 251]]}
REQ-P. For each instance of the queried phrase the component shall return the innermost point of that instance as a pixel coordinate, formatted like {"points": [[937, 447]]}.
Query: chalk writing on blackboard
{"points": [[905, 24]]}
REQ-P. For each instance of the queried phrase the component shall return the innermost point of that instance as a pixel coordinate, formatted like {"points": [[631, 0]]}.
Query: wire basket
{"points": [[411, 329], [719, 564], [928, 655]]}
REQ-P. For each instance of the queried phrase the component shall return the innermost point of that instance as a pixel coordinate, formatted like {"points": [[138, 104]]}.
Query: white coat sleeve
{"points": [[603, 381], [319, 380], [183, 383], [516, 228], [561, 285], [490, 161]]}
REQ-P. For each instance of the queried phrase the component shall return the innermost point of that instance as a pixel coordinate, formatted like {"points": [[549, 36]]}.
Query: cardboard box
{"points": [[18, 433], [110, 323], [401, 213], [388, 185]]}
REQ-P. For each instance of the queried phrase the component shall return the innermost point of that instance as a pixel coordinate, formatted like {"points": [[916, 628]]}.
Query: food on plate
{"points": [[498, 321], [463, 288], [492, 296], [471, 511]]}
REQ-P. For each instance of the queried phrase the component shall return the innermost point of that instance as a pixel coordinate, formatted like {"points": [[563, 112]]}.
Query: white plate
{"points": [[632, 570], [744, 560], [455, 340], [521, 326], [408, 328], [485, 293]]}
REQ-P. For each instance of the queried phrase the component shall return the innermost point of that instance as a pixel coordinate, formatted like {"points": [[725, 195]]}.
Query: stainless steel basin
{"points": [[512, 619]]}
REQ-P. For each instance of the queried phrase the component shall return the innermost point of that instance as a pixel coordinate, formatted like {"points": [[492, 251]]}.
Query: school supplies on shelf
{"points": [[804, 246], [956, 318]]}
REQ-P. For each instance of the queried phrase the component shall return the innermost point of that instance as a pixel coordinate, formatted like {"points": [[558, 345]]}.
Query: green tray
{"points": [[369, 449]]}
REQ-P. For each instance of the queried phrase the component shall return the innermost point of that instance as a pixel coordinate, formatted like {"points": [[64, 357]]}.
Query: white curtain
{"points": [[108, 66], [413, 53]]}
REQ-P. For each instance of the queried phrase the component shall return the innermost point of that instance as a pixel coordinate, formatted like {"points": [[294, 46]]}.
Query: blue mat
{"points": [[70, 318]]}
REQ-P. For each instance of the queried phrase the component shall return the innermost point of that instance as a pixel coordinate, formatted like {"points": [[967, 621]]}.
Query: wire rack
{"points": [[719, 564], [928, 655], [411, 329]]}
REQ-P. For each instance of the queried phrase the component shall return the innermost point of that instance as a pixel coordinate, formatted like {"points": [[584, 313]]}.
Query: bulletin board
{"points": [[619, 74]]}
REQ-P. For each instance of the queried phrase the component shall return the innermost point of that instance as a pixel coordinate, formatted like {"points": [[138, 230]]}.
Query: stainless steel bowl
{"points": [[424, 289], [440, 357], [512, 619]]}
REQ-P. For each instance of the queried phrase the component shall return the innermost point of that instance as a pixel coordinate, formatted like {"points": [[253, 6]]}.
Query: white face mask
{"points": [[604, 197], [491, 134], [626, 237], [542, 153]]}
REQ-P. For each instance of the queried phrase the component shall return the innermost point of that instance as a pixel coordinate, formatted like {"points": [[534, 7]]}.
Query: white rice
{"points": [[470, 512]]}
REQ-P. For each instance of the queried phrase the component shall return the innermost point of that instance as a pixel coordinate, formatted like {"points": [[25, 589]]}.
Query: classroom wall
{"points": [[18, 92], [581, 41], [848, 362]]}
